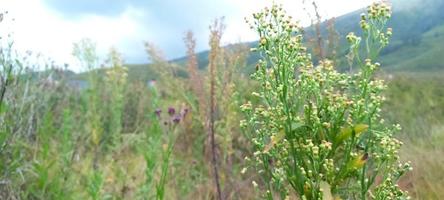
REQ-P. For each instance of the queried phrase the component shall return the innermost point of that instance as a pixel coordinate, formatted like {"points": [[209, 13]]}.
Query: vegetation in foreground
{"points": [[318, 133], [117, 138]]}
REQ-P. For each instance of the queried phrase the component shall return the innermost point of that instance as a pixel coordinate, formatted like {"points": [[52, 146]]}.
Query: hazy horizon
{"points": [[126, 25]]}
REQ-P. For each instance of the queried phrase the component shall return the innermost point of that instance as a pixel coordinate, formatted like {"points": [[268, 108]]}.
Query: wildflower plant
{"points": [[318, 132], [170, 124], [116, 81], [159, 142]]}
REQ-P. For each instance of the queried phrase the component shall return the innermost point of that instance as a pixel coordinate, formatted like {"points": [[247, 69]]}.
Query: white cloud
{"points": [[237, 29], [41, 29]]}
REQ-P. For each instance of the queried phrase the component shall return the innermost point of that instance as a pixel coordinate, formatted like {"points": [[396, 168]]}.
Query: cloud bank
{"points": [[51, 26]]}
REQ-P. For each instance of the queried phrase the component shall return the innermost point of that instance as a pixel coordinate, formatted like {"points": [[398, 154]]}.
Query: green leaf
{"points": [[347, 132], [3, 108], [295, 126]]}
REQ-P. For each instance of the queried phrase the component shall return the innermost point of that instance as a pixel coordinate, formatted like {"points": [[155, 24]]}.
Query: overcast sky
{"points": [[52, 26]]}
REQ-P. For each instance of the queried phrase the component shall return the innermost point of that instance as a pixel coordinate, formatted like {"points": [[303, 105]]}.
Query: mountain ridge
{"points": [[417, 42], [417, 36]]}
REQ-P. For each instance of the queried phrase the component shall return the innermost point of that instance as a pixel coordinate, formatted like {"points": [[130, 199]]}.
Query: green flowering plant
{"points": [[318, 132]]}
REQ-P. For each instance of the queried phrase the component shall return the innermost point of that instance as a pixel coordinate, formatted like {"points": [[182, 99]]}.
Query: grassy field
{"points": [[172, 129], [416, 100]]}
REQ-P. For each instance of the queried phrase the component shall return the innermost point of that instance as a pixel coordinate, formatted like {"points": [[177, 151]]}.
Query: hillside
{"points": [[416, 45]]}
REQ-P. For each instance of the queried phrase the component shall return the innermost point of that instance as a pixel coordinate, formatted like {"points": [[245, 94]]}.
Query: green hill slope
{"points": [[417, 43]]}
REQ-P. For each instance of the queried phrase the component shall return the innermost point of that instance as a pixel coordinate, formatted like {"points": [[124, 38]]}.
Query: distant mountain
{"points": [[417, 42], [418, 34]]}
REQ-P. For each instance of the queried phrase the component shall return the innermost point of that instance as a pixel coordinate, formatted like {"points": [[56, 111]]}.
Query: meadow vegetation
{"points": [[299, 128]]}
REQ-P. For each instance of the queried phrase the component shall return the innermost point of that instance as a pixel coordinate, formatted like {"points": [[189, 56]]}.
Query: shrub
{"points": [[317, 132]]}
